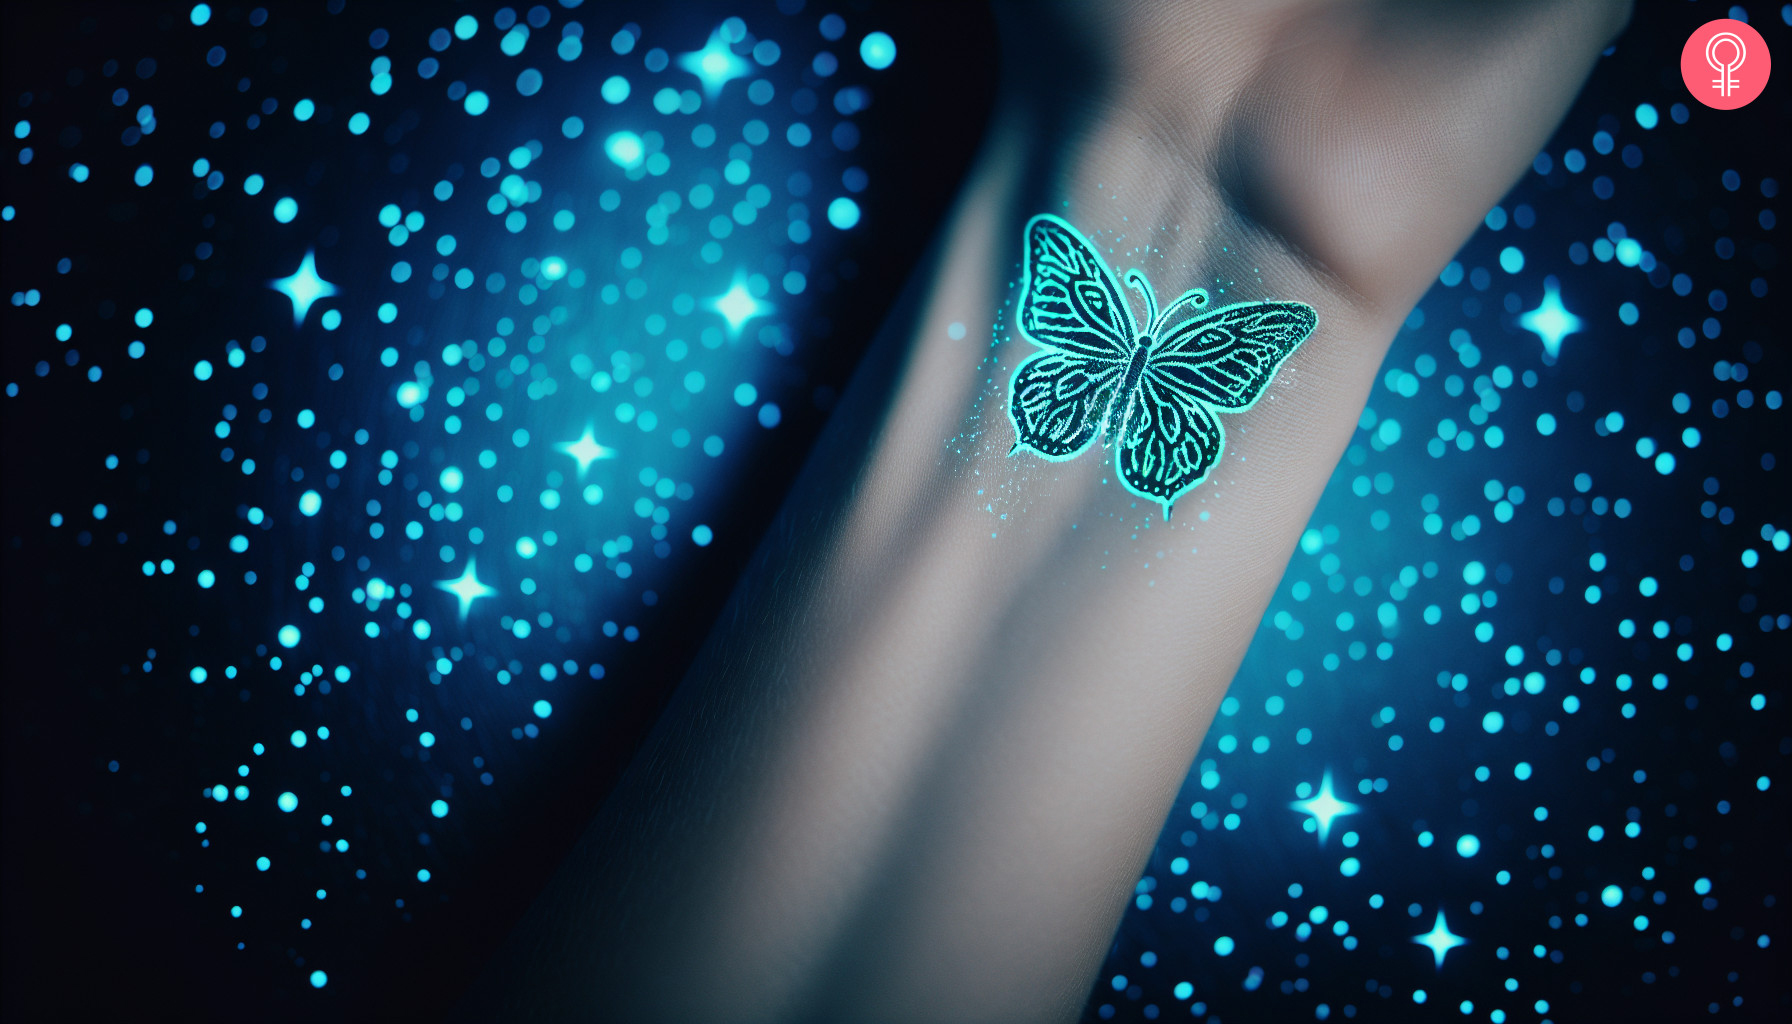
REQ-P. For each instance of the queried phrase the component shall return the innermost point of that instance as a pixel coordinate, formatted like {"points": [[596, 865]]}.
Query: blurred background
{"points": [[394, 392]]}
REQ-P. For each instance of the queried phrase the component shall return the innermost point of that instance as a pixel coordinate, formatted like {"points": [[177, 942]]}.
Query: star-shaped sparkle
{"points": [[303, 287], [715, 64], [467, 588], [586, 450], [1550, 321], [1323, 807], [737, 305], [1440, 939]]}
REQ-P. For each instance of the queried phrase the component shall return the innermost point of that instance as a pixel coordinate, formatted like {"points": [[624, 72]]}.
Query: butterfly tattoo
{"points": [[1152, 393]]}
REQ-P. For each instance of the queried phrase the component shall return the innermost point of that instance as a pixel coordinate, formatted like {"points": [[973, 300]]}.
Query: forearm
{"points": [[916, 770]]}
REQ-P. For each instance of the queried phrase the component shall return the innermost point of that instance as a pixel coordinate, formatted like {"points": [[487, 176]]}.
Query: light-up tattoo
{"points": [[1154, 392]]}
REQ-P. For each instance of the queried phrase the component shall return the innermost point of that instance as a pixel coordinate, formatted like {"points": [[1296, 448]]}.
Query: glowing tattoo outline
{"points": [[1157, 391]]}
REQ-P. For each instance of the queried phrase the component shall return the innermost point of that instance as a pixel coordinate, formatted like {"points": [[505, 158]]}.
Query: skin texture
{"points": [[916, 770]]}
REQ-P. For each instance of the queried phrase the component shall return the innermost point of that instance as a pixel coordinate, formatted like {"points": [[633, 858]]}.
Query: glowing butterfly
{"points": [[1154, 392]]}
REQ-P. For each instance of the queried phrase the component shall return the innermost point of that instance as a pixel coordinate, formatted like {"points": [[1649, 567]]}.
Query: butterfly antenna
{"points": [[1136, 279], [1169, 507], [1197, 298]]}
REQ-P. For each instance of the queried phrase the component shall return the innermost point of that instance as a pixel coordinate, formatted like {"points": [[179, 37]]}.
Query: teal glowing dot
{"points": [[206, 579], [1468, 846], [465, 26], [477, 103], [452, 479], [388, 312], [1646, 116], [878, 51], [1184, 990], [1627, 312], [200, 14], [572, 127], [302, 110], [1493, 721], [289, 636], [553, 268], [526, 547], [420, 629], [202, 370], [359, 123], [745, 394], [298, 738], [843, 213], [262, 863], [1664, 463], [625, 149], [252, 184], [410, 394], [310, 503], [1511, 259], [1224, 945], [136, 349], [439, 808], [1546, 424], [543, 709], [307, 419], [519, 157], [422, 874], [78, 172], [318, 978], [702, 535], [285, 209], [145, 174], [144, 317], [615, 89]]}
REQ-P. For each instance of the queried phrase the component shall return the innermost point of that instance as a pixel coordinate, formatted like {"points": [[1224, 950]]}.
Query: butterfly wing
{"points": [[1059, 399], [1223, 359], [1226, 357], [1070, 306], [1172, 441], [1068, 299]]}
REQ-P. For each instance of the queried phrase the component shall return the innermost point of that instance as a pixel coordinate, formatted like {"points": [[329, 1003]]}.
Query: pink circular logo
{"points": [[1725, 64]]}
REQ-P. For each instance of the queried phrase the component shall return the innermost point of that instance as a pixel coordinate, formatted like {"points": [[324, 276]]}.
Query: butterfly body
{"points": [[1151, 393], [1115, 422]]}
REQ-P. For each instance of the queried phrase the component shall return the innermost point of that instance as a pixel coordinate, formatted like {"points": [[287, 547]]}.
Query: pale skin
{"points": [[916, 770]]}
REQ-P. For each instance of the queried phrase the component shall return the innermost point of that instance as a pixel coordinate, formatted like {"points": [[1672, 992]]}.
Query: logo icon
{"points": [[1725, 64]]}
